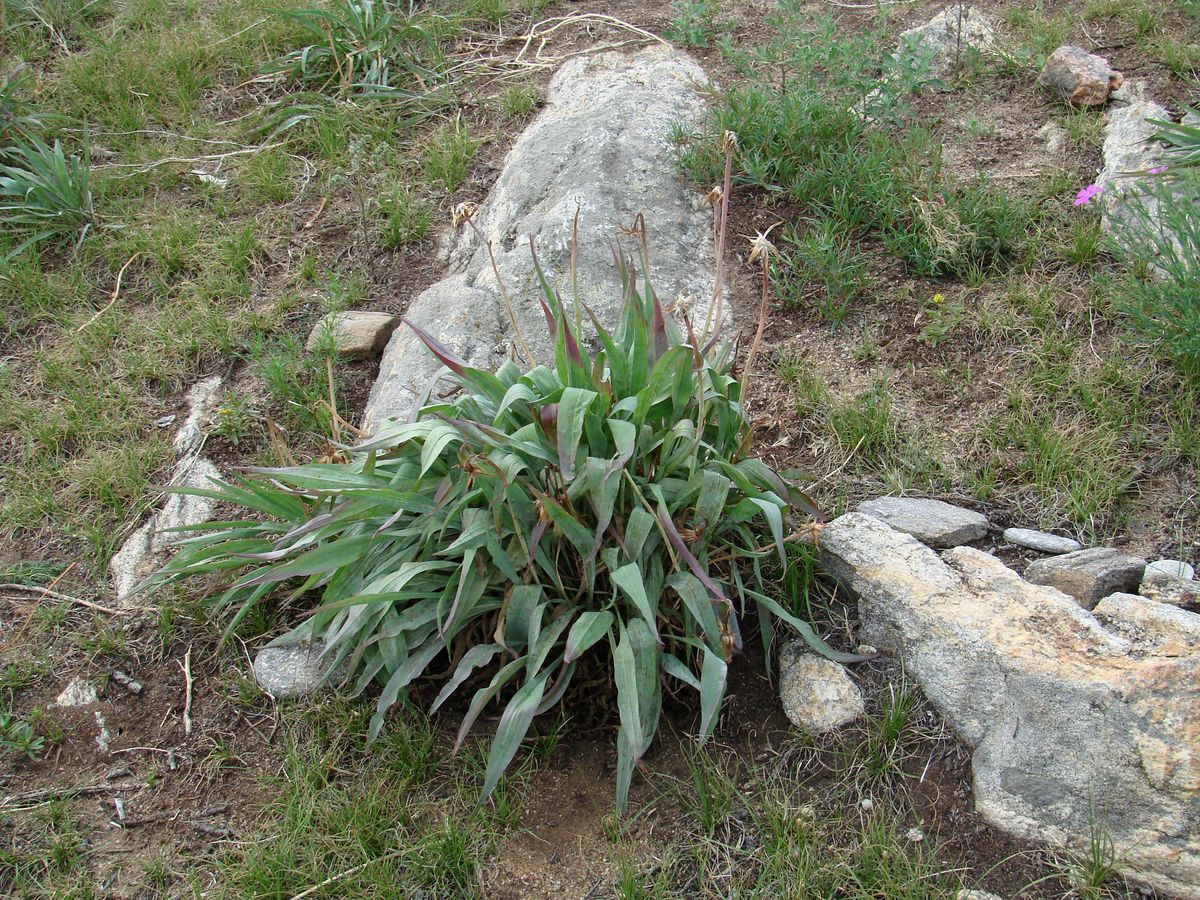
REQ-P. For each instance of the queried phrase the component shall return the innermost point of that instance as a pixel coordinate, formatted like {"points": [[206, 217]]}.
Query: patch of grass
{"points": [[404, 218], [817, 122], [518, 101], [822, 254], [862, 431], [777, 838], [448, 154], [44, 854], [395, 824]]}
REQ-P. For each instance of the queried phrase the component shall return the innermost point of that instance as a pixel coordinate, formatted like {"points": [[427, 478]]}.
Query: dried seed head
{"points": [[462, 213], [760, 246], [730, 142], [715, 196]]}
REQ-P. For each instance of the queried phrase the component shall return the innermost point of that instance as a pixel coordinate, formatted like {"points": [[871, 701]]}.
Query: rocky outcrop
{"points": [[600, 150], [1074, 716]]}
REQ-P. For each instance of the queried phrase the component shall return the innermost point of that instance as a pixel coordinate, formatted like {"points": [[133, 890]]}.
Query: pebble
{"points": [[915, 835], [1041, 541]]}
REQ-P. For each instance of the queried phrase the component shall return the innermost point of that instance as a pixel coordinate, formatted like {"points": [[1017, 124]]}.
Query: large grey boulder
{"points": [[1089, 575], [1073, 715], [600, 147], [931, 522], [817, 694]]}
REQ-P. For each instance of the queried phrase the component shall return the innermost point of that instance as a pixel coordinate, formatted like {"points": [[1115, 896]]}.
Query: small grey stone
{"points": [[1041, 541], [355, 334], [80, 692], [1172, 568], [1079, 77], [931, 522], [816, 693], [292, 671], [1089, 575], [965, 894]]}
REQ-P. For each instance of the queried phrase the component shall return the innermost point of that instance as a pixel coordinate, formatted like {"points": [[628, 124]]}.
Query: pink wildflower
{"points": [[1084, 197], [1157, 170]]}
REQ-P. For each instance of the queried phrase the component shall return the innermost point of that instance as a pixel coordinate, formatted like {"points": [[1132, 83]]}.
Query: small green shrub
{"points": [[599, 514], [1161, 295], [694, 23], [17, 736], [822, 255], [405, 219], [363, 47], [45, 195]]}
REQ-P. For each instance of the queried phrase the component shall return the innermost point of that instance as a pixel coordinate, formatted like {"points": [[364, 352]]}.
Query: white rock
{"points": [[1054, 136], [929, 521], [1172, 568], [202, 400], [600, 146], [965, 894], [817, 694], [80, 692], [914, 835], [143, 551], [295, 670], [1041, 541], [1059, 708], [1128, 149], [103, 735]]}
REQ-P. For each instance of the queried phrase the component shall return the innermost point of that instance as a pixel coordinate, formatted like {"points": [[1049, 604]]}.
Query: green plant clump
{"points": [[1161, 238], [597, 515], [363, 47]]}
